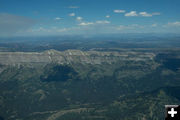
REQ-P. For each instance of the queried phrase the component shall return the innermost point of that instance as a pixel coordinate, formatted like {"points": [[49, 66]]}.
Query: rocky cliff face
{"points": [[71, 56]]}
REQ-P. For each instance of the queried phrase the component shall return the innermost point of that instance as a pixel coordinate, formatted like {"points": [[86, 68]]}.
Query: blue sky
{"points": [[88, 17]]}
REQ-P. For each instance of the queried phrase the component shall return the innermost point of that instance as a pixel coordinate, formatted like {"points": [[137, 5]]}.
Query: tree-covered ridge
{"points": [[55, 72]]}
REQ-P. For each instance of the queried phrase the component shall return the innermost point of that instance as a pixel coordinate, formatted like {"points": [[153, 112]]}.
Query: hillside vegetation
{"points": [[76, 85]]}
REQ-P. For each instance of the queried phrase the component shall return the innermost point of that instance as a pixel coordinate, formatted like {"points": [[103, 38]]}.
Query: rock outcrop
{"points": [[71, 56]]}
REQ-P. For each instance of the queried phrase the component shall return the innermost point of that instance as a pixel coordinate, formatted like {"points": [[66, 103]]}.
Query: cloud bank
{"points": [[11, 24]]}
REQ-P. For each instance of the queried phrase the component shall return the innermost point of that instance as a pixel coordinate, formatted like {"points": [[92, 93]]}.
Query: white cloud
{"points": [[154, 25], [108, 16], [103, 22], [94, 23], [73, 7], [39, 29], [131, 14], [72, 14], [62, 30], [174, 24], [48, 31], [86, 23], [145, 14], [119, 11], [122, 27], [79, 18], [58, 18], [130, 27]]}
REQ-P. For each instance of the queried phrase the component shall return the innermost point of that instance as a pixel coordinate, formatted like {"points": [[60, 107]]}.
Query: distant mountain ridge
{"points": [[71, 56]]}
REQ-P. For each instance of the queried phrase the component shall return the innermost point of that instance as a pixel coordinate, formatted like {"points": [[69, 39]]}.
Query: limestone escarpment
{"points": [[71, 56]]}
